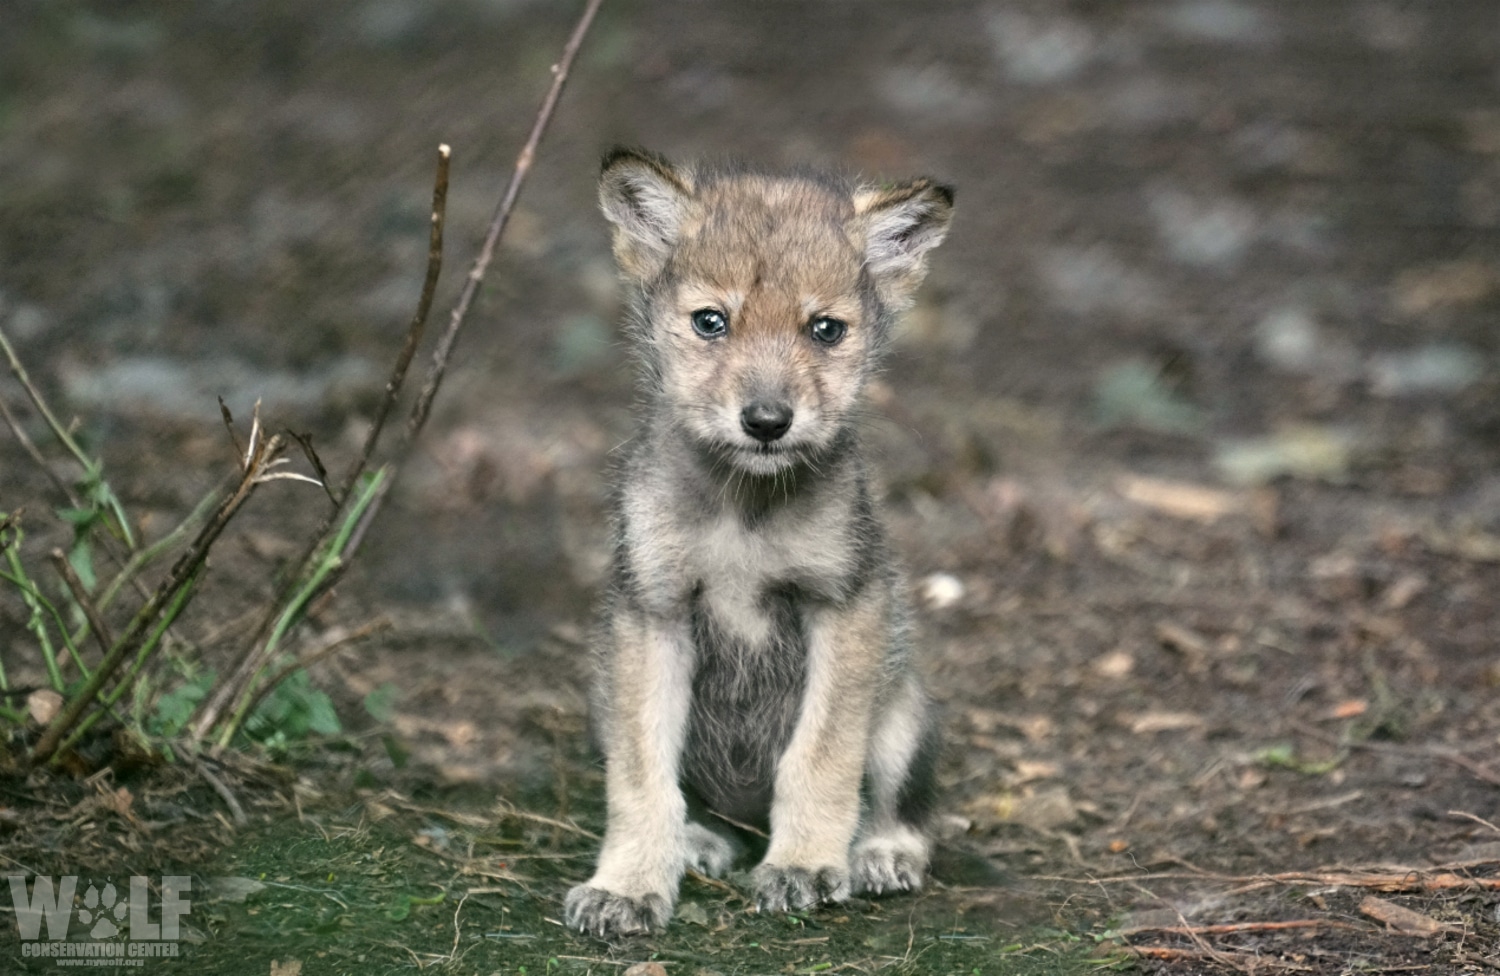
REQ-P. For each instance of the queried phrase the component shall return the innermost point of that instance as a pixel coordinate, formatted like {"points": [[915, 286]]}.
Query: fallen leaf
{"points": [[1351, 708], [693, 913], [1182, 640], [234, 889], [1148, 722], [43, 705], [646, 969], [1115, 664], [1422, 290], [1027, 770], [292, 967], [1401, 919], [121, 801], [1045, 809], [1180, 499], [1298, 452]]}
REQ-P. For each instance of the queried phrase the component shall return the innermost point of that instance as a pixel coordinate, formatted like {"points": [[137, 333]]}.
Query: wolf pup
{"points": [[754, 649]]}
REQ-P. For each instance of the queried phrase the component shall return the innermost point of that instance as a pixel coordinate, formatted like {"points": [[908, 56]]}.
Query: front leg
{"points": [[649, 675], [815, 809]]}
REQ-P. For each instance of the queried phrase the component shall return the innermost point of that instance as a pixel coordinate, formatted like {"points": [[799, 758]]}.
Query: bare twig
{"points": [[29, 446], [139, 628], [1474, 817], [234, 435], [63, 434], [253, 655], [457, 317], [253, 658], [1238, 961], [1477, 769], [235, 810], [85, 602], [304, 441], [414, 331], [507, 810], [1443, 877], [1234, 928]]}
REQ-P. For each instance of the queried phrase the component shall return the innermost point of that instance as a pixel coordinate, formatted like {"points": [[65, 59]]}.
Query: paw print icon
{"points": [[98, 906]]}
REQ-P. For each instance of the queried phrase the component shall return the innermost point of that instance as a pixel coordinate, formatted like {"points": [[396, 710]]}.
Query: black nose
{"points": [[766, 421]]}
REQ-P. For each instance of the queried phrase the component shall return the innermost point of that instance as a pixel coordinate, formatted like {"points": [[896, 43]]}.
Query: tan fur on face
{"points": [[774, 254]]}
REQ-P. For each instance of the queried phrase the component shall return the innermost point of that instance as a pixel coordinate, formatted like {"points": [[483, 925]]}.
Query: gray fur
{"points": [[754, 646]]}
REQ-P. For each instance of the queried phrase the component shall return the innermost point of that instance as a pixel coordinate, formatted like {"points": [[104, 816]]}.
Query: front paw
{"points": [[606, 915], [781, 889], [889, 862]]}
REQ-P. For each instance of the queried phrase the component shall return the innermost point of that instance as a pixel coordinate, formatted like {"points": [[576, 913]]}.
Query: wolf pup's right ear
{"points": [[647, 199], [900, 224]]}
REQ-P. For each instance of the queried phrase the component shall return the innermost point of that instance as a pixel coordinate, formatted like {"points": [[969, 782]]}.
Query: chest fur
{"points": [[740, 571]]}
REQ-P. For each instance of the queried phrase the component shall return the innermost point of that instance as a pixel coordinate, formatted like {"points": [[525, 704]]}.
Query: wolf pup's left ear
{"points": [[648, 200], [901, 223]]}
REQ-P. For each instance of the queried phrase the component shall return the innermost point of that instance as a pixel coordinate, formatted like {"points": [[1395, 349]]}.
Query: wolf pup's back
{"points": [[754, 647]]}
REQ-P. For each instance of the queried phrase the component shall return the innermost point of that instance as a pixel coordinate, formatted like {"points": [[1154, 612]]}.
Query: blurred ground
{"points": [[1191, 444]]}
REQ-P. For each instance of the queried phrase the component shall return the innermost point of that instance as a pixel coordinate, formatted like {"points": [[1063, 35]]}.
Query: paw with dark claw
{"points": [[783, 889], [606, 915]]}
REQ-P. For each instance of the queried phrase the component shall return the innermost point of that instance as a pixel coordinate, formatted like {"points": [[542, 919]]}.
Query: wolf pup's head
{"points": [[764, 300]]}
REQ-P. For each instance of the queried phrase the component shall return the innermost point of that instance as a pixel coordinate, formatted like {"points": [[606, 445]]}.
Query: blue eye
{"points": [[710, 323], [827, 330]]}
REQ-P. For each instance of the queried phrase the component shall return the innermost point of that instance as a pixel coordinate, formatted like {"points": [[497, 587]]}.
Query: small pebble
{"points": [[941, 590]]}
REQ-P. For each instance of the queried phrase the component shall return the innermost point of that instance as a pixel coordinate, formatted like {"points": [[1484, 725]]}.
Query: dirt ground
{"points": [[1192, 448]]}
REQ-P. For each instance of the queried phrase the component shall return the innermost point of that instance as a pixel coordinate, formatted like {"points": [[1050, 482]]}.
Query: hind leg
{"points": [[710, 851], [892, 850]]}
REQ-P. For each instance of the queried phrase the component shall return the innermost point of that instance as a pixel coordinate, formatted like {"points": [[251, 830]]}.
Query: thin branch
{"points": [[85, 602], [1443, 877], [29, 446], [304, 441], [1477, 819], [141, 557], [435, 373], [252, 659], [235, 810], [415, 330], [139, 628], [1477, 769], [234, 436], [62, 434], [1235, 928]]}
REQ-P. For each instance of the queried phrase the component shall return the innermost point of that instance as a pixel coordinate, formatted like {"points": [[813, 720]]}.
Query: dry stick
{"points": [[1474, 817], [138, 629], [251, 659], [235, 810], [1439, 878], [1233, 928], [498, 222], [413, 332], [29, 446], [61, 483], [81, 595], [1477, 769], [250, 664]]}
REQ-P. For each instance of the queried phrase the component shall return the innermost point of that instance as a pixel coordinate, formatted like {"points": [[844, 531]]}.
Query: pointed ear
{"points": [[901, 224], [647, 199]]}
